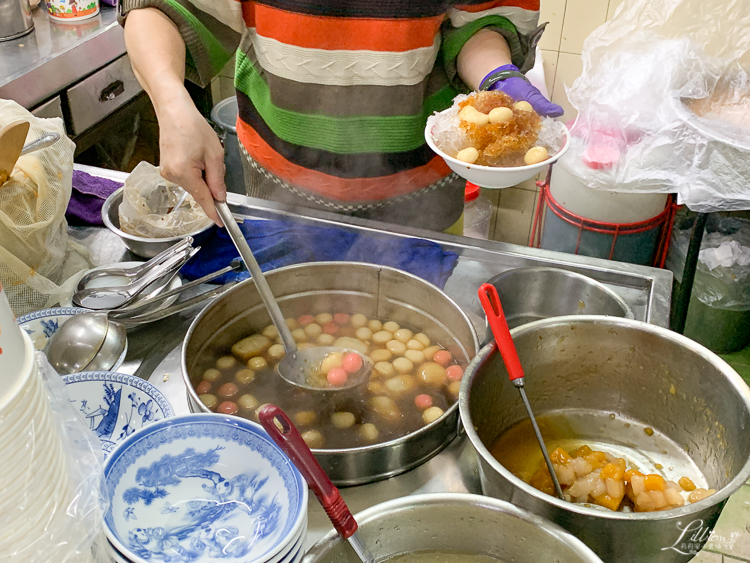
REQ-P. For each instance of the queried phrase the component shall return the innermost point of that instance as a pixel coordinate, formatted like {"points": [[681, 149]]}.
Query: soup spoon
{"points": [[287, 437], [118, 296], [297, 367], [95, 340], [496, 318], [135, 273]]}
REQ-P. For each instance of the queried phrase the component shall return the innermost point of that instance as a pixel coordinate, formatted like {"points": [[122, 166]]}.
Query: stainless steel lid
{"points": [[224, 114]]}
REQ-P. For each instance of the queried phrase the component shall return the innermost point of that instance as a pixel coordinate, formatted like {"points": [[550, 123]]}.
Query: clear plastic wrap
{"points": [[148, 206], [722, 279], [664, 101], [55, 514]]}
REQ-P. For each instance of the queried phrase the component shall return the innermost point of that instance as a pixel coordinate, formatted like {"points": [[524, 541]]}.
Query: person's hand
{"points": [[521, 90], [191, 154]]}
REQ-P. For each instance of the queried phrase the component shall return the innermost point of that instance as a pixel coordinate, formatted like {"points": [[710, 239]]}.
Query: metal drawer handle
{"points": [[112, 91]]}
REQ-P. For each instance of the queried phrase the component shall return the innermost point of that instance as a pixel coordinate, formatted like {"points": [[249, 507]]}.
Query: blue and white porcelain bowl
{"points": [[41, 325], [201, 488], [115, 404]]}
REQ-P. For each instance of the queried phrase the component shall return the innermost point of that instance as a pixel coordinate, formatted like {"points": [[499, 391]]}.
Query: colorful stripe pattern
{"points": [[334, 95]]}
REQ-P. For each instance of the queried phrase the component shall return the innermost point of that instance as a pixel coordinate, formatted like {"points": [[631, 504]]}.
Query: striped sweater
{"points": [[334, 95]]}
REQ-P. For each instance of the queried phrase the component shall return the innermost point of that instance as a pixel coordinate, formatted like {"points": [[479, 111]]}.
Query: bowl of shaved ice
{"points": [[492, 142]]}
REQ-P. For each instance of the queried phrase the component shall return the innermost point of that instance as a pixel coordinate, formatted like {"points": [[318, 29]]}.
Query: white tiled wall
{"points": [[222, 86]]}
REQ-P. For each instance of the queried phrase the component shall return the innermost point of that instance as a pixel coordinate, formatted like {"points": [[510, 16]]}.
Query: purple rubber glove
{"points": [[521, 90]]}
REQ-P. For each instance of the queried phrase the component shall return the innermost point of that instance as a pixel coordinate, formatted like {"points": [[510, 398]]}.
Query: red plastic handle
{"points": [[490, 301], [291, 443]]}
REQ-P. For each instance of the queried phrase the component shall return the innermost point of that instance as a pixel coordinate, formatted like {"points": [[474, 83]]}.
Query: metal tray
{"points": [[155, 351]]}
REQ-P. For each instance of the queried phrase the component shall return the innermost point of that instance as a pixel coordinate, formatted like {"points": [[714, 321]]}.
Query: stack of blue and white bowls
{"points": [[202, 488]]}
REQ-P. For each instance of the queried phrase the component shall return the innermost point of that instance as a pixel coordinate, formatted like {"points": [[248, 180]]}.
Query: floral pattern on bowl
{"points": [[115, 404], [203, 487], [41, 325]]}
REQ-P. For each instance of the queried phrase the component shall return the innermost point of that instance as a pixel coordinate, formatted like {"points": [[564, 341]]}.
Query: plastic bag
{"points": [[147, 208], [720, 286], [664, 102], [38, 261], [74, 503]]}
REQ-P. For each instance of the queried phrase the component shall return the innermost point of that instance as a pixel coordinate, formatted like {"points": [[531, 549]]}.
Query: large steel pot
{"points": [[636, 372], [455, 522], [376, 291]]}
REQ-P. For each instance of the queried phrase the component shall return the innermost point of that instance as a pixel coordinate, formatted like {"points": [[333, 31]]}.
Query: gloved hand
{"points": [[522, 90]]}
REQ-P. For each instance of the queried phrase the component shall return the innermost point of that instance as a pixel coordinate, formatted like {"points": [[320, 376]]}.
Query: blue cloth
{"points": [[280, 243]]}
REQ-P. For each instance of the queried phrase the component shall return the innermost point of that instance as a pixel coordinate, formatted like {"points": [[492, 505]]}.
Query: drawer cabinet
{"points": [[95, 97], [50, 108]]}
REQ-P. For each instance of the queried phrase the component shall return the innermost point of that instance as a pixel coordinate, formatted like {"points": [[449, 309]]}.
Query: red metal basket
{"points": [[547, 204]]}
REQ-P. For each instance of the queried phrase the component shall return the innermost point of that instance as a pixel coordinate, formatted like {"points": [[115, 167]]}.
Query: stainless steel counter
{"points": [[154, 351], [56, 55]]}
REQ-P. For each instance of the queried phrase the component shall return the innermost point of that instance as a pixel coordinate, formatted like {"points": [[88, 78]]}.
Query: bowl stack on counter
{"points": [[201, 488], [36, 491]]}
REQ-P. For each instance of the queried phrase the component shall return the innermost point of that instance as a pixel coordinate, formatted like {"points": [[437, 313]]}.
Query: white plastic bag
{"points": [[643, 74], [147, 208], [38, 261], [722, 279]]}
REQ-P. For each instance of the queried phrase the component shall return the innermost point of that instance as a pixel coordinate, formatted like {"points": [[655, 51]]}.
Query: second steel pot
{"points": [[470, 524], [375, 291], [533, 293], [639, 377]]}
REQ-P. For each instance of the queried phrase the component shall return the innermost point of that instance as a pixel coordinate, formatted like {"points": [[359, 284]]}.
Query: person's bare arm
{"points": [[191, 154], [480, 55]]}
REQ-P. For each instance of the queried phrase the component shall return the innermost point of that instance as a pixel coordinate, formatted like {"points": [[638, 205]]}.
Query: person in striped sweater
{"points": [[333, 94]]}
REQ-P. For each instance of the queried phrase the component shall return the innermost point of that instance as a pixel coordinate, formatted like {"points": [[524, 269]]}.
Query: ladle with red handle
{"points": [[287, 437], [490, 301]]}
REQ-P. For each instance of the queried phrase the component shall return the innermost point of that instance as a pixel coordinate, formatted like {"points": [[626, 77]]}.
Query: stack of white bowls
{"points": [[35, 491]]}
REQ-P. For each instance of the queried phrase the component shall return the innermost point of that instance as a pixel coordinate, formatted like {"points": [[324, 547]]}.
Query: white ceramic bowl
{"points": [[115, 404], [41, 325], [18, 411], [208, 485], [14, 363], [493, 176], [35, 490]]}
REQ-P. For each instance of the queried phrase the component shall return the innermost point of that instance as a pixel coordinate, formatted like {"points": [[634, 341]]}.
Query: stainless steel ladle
{"points": [[297, 365]]}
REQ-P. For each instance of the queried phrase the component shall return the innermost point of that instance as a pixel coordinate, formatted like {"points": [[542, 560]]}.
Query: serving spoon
{"points": [[136, 272], [297, 366], [115, 297], [496, 318]]}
